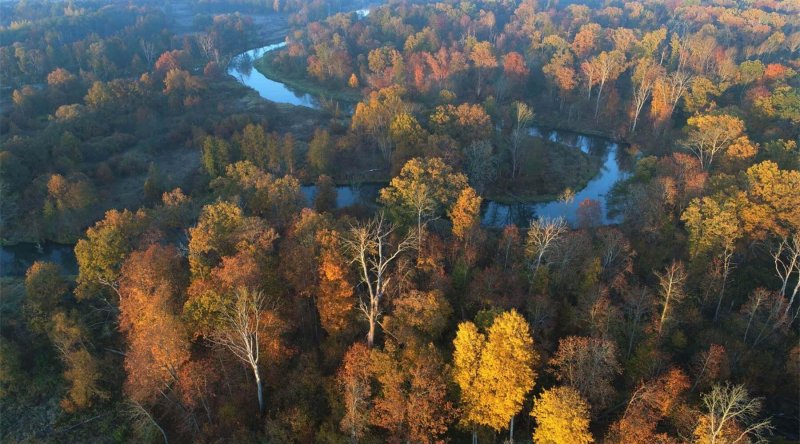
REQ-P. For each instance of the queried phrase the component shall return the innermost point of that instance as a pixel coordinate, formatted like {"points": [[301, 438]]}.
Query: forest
{"points": [[312, 221]]}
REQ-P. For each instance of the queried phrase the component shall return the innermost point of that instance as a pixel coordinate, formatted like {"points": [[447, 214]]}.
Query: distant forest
{"points": [[237, 280]]}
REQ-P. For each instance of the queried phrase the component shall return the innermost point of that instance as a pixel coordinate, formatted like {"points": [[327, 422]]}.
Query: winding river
{"points": [[14, 260], [494, 214], [611, 171], [241, 67]]}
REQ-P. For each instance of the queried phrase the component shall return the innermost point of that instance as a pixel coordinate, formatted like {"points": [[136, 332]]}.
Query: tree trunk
{"points": [[725, 271], [371, 334], [749, 321], [419, 234], [511, 430], [163, 433], [702, 372], [794, 294], [663, 316], [633, 336], [597, 105], [260, 390], [514, 160]]}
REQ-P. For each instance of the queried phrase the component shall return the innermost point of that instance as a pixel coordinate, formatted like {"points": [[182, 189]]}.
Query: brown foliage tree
{"points": [[589, 365], [151, 288]]}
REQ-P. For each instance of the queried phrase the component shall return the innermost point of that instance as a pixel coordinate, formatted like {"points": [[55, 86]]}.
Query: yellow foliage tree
{"points": [[466, 213], [562, 417], [773, 197], [353, 81], [707, 135], [742, 148], [335, 299], [495, 371], [374, 116], [224, 230], [714, 228], [423, 190], [81, 369]]}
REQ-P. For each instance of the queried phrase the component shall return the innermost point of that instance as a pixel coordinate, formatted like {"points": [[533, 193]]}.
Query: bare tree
{"points": [[35, 60], [590, 366], [543, 235], [787, 263], [609, 65], [726, 257], [671, 88], [141, 419], [242, 325], [481, 165], [615, 252], [671, 288], [149, 50], [370, 248], [711, 134], [731, 417], [208, 45], [709, 365], [523, 115], [642, 80], [766, 312], [638, 303]]}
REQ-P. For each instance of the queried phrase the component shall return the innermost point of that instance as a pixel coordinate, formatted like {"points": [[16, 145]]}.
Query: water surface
{"points": [[16, 259], [598, 188], [241, 68]]}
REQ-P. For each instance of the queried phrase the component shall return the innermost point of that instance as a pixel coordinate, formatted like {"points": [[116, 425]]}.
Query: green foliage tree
{"points": [[44, 288], [320, 152], [423, 191], [101, 253], [216, 156], [221, 231]]}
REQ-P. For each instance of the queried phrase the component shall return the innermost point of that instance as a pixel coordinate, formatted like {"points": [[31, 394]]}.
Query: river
{"points": [[14, 260], [241, 67], [494, 214], [597, 189]]}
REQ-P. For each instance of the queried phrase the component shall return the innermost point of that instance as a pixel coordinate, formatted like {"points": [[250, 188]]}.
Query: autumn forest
{"points": [[416, 221]]}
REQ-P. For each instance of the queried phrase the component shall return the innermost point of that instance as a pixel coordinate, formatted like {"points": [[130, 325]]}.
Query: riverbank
{"points": [[265, 66], [548, 170]]}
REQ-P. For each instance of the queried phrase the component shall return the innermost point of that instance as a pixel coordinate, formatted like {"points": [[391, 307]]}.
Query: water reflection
{"points": [[348, 195], [497, 214], [16, 259], [241, 67]]}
